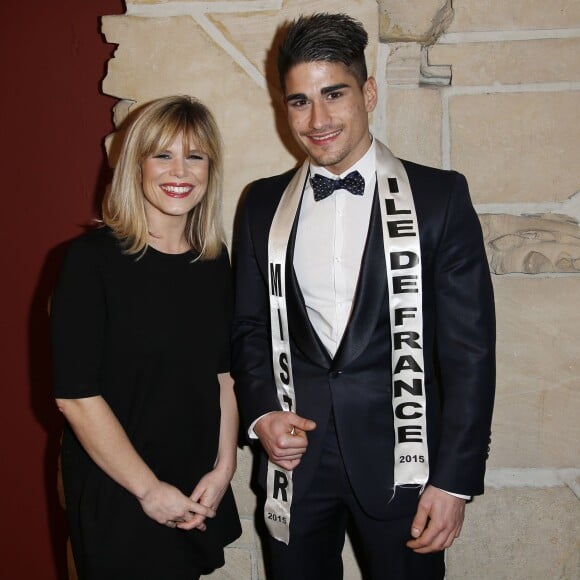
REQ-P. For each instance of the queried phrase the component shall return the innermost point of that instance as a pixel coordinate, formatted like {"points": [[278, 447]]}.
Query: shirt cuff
{"points": [[251, 432], [459, 495]]}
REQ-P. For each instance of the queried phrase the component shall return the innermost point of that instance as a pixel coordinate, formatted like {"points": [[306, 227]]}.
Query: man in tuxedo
{"points": [[364, 333]]}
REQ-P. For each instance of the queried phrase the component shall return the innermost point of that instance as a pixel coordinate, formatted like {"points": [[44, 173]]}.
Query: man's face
{"points": [[328, 113]]}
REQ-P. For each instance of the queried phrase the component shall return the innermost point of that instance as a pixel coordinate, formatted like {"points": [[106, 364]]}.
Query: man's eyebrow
{"points": [[334, 88], [296, 97], [323, 91]]}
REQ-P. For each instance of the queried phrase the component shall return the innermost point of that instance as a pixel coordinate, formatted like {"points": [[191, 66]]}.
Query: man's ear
{"points": [[369, 90]]}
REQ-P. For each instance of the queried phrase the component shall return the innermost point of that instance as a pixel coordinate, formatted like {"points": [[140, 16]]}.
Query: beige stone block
{"points": [[516, 430], [404, 64], [120, 111], [560, 430], [414, 124], [472, 15], [162, 2], [142, 70], [533, 61], [261, 565], [535, 421], [519, 534], [531, 244], [421, 22], [248, 538], [517, 146], [245, 497]]}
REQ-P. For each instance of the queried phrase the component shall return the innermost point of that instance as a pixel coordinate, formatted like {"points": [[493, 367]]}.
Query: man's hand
{"points": [[283, 436], [437, 522]]}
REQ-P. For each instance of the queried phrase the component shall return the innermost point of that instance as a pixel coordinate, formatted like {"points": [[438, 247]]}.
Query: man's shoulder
{"points": [[421, 172], [431, 184], [274, 183], [263, 195]]}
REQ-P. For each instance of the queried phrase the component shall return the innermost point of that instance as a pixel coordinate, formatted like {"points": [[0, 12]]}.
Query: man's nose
{"points": [[319, 116]]}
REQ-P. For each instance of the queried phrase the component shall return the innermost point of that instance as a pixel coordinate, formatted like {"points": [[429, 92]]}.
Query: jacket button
{"points": [[335, 374]]}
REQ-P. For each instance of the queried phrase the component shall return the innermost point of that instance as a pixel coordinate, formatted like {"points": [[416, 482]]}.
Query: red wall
{"points": [[52, 166]]}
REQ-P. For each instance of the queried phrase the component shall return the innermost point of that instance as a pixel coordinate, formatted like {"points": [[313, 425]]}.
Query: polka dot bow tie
{"points": [[324, 186]]}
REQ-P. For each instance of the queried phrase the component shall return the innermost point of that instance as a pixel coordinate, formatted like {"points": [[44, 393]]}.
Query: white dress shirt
{"points": [[330, 241]]}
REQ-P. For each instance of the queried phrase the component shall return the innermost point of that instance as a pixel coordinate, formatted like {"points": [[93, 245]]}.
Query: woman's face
{"points": [[174, 180]]}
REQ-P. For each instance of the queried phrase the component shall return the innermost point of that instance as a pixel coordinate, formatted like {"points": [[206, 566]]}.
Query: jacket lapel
{"points": [[301, 328], [369, 296]]}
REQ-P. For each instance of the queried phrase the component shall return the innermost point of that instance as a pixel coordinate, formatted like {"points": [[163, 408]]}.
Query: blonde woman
{"points": [[140, 335]]}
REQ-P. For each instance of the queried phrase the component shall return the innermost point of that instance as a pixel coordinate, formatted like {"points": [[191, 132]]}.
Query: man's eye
{"points": [[298, 103], [334, 95]]}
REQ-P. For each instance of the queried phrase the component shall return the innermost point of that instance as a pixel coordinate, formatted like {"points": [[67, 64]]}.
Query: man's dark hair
{"points": [[324, 37]]}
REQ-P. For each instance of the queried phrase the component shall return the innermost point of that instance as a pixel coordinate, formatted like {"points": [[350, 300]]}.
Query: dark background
{"points": [[53, 168]]}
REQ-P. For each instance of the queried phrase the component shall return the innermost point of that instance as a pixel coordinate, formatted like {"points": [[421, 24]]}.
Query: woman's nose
{"points": [[178, 167]]}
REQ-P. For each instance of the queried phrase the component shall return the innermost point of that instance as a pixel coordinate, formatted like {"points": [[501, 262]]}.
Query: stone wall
{"points": [[490, 88]]}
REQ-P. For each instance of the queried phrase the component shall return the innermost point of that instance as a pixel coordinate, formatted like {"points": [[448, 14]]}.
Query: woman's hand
{"points": [[213, 485], [105, 440], [209, 493], [166, 505]]}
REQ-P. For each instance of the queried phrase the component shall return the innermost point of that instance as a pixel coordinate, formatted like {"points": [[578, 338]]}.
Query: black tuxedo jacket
{"points": [[458, 341]]}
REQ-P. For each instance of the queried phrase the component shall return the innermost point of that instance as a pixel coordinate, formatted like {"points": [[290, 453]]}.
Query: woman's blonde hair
{"points": [[152, 128]]}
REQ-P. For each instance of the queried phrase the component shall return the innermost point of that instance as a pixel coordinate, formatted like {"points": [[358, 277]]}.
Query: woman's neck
{"points": [[168, 237]]}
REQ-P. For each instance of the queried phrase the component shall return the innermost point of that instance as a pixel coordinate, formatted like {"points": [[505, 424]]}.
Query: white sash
{"points": [[403, 260], [279, 483]]}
